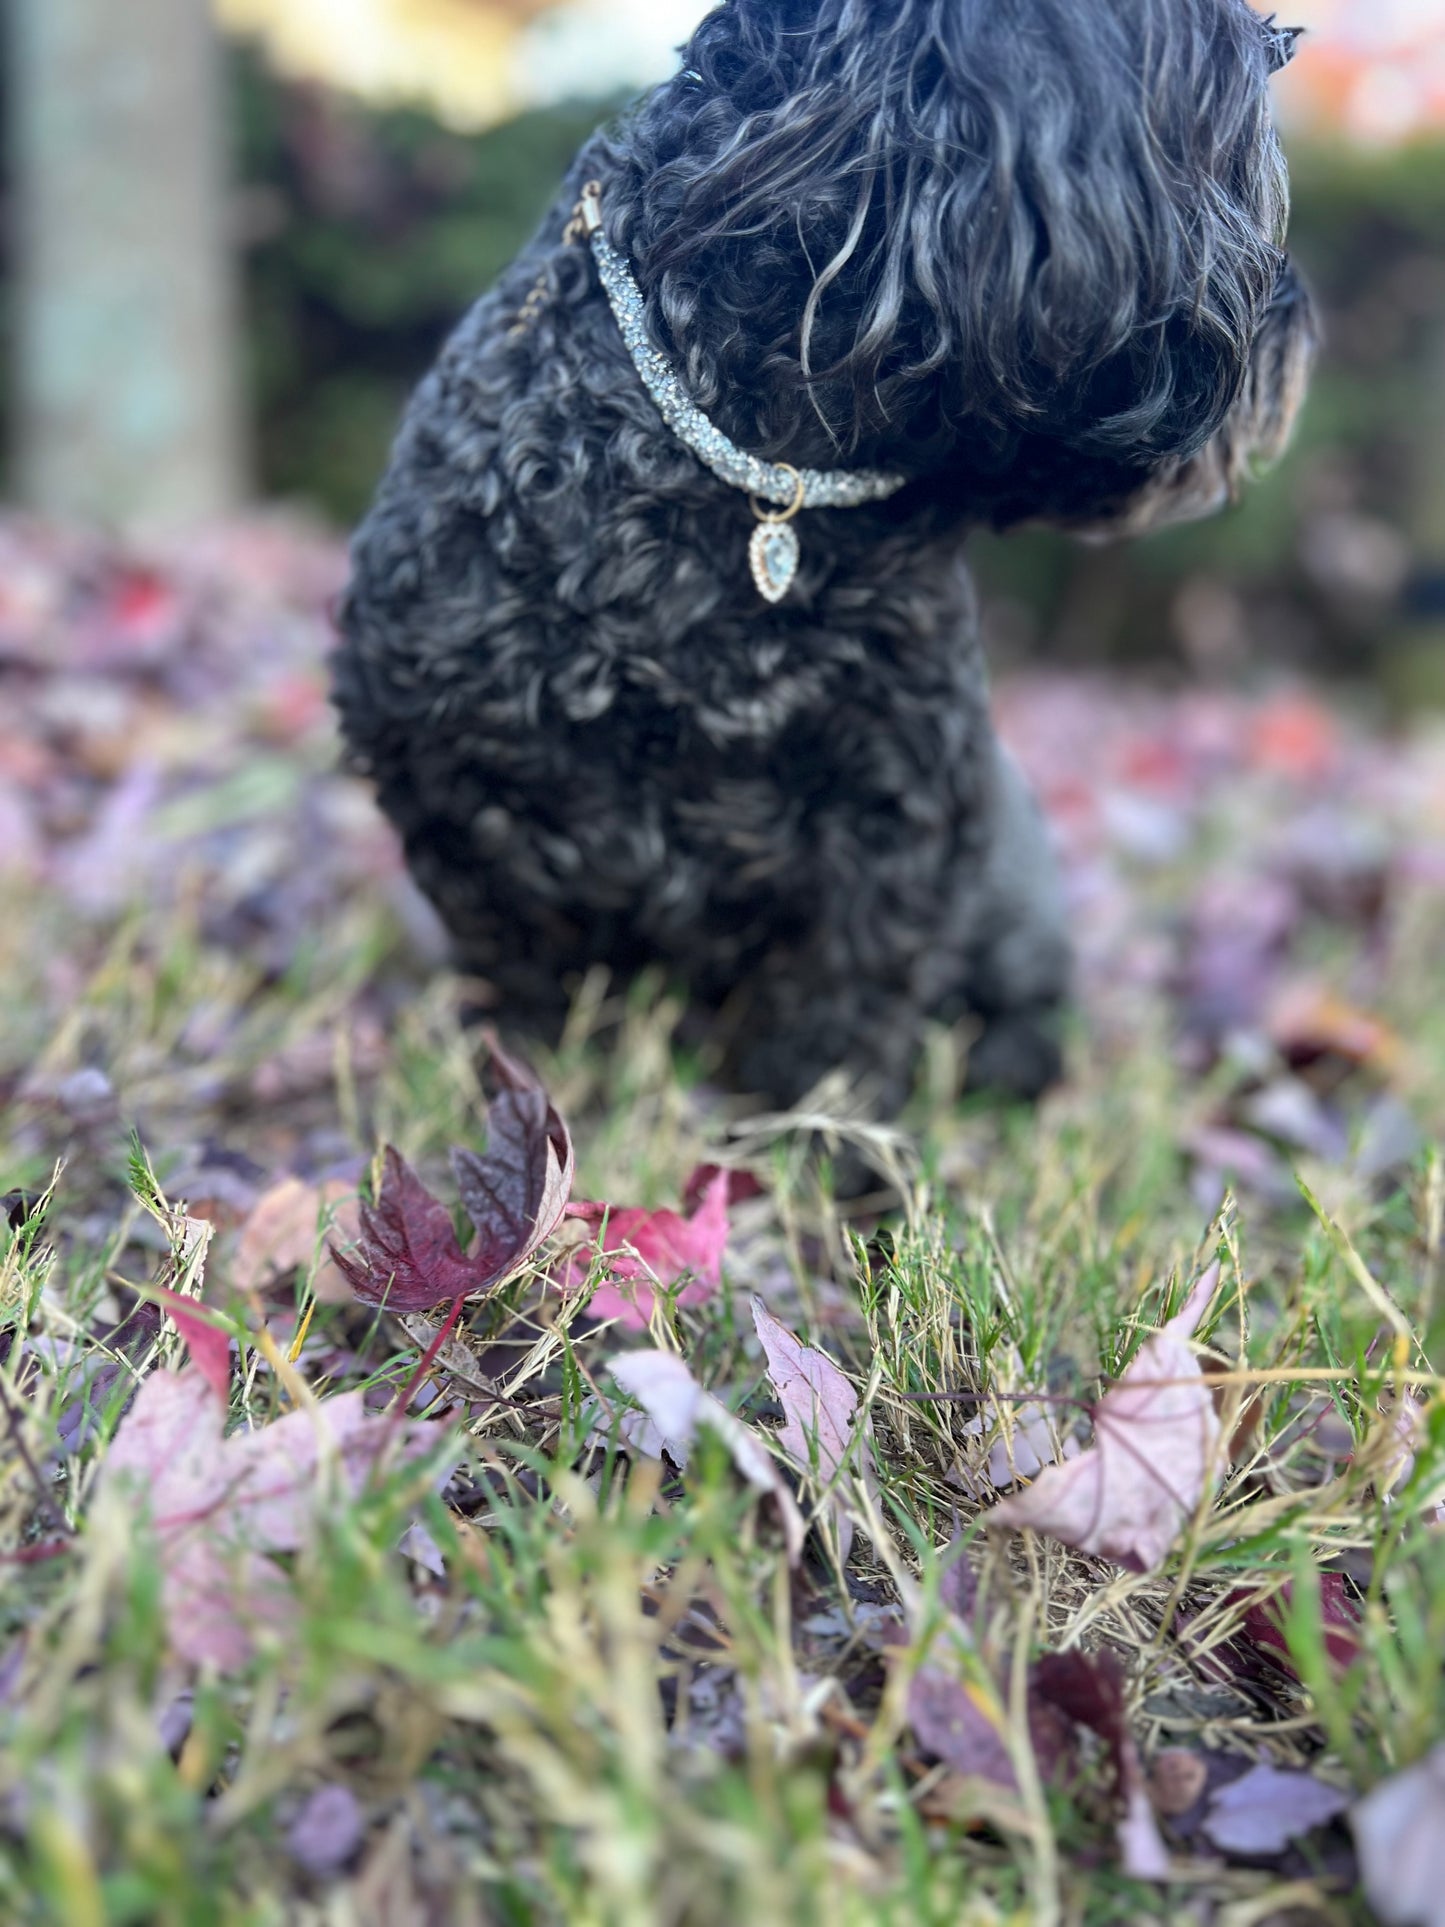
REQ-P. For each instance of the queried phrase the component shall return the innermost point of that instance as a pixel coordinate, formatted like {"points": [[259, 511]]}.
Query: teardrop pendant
{"points": [[774, 555]]}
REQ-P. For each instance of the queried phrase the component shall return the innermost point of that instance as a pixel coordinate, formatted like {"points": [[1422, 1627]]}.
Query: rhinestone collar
{"points": [[774, 551]]}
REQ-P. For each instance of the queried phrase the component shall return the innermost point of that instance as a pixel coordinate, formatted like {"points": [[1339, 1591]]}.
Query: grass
{"points": [[619, 1705]]}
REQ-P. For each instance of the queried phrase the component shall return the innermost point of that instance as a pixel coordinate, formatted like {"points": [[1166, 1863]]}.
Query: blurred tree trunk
{"points": [[126, 404]]}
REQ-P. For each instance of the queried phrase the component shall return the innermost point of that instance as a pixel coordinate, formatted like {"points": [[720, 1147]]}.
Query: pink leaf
{"points": [[950, 1723], [327, 1831], [674, 1405], [1156, 1450], [1267, 1807], [818, 1406], [646, 1249], [218, 1506], [208, 1345], [1263, 1622]]}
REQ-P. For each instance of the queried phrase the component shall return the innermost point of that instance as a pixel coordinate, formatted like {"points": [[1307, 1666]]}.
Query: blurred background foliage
{"points": [[367, 230], [364, 224]]}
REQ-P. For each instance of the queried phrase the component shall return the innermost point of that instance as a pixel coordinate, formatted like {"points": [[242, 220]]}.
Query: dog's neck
{"points": [[750, 380]]}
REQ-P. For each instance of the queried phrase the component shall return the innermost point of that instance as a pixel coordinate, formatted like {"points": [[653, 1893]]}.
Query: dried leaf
{"points": [[281, 1231], [207, 1344], [1263, 1623], [951, 1720], [1267, 1807], [1089, 1689], [517, 1193], [1156, 1448], [645, 1249], [407, 1256], [1308, 1021], [818, 1406], [674, 1405], [1024, 1446], [327, 1831], [1177, 1777], [1399, 1830], [218, 1505]]}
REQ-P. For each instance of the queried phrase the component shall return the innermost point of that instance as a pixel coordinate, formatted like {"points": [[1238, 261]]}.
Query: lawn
{"points": [[667, 1586]]}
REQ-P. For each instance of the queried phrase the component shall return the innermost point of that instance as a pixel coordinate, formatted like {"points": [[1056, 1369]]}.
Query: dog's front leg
{"points": [[1017, 975]]}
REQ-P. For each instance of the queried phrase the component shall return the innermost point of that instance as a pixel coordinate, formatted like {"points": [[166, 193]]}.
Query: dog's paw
{"points": [[1017, 1055]]}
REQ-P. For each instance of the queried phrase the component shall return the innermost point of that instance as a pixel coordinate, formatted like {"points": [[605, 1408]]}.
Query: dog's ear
{"points": [[1253, 434], [1280, 44]]}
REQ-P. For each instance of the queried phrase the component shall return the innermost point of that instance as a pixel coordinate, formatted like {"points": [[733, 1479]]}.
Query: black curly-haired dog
{"points": [[1026, 254]]}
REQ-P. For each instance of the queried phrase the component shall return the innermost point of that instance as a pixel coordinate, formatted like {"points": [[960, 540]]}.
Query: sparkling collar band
{"points": [[773, 552]]}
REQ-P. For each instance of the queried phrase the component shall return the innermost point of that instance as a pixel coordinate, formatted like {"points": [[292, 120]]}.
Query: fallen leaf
{"points": [[1308, 1021], [673, 1406], [327, 1831], [207, 1344], [517, 1193], [217, 1506], [1399, 1829], [1263, 1623], [1294, 736], [951, 1721], [1267, 1807], [742, 1185], [818, 1406], [280, 1235], [647, 1249], [1156, 1437], [1024, 1446], [1088, 1688], [407, 1256]]}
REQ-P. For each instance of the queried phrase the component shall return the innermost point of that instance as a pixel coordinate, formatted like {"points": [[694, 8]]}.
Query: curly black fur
{"points": [[1027, 252]]}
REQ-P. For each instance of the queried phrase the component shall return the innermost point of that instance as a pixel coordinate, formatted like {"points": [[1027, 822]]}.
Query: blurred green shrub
{"points": [[366, 234]]}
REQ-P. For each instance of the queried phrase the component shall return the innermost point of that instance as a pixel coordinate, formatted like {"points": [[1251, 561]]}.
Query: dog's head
{"points": [[1032, 249]]}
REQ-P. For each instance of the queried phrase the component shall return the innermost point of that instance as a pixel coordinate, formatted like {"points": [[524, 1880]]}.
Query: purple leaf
{"points": [[1266, 1808], [327, 1831]]}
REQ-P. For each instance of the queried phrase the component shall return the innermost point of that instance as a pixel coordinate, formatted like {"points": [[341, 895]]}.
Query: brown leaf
{"points": [[1309, 1021], [1156, 1436], [1177, 1777]]}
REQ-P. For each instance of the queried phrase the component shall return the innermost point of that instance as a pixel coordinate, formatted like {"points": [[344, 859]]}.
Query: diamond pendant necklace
{"points": [[774, 551]]}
